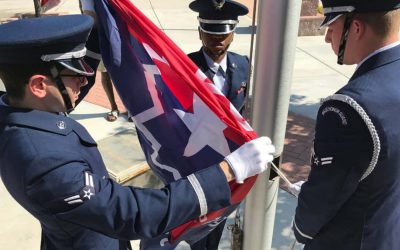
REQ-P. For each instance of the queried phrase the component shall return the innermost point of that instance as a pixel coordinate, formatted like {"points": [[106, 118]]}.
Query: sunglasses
{"points": [[82, 78]]}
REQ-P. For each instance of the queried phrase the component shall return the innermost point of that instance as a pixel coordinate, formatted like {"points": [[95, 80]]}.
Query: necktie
{"points": [[219, 79]]}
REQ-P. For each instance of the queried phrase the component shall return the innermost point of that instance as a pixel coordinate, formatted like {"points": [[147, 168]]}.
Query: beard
{"points": [[215, 52]]}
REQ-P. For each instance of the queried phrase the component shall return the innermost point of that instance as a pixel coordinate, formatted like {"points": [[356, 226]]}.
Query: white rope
{"points": [[281, 174], [370, 125]]}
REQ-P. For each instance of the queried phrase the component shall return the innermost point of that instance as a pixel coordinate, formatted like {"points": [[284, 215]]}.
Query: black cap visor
{"points": [[77, 65], [217, 29]]}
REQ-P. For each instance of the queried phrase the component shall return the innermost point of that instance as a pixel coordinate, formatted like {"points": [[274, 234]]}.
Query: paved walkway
{"points": [[316, 75]]}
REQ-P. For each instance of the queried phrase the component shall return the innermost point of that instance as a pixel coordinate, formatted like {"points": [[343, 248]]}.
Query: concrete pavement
{"points": [[316, 75]]}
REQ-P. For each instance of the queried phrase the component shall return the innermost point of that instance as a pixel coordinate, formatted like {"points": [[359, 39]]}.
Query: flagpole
{"points": [[277, 29], [38, 11]]}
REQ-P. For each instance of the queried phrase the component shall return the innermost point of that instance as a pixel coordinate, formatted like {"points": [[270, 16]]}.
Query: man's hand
{"points": [[251, 158], [295, 188]]}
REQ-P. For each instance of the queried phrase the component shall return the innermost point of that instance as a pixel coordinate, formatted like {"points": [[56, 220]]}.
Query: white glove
{"points": [[251, 158], [295, 188], [87, 5]]}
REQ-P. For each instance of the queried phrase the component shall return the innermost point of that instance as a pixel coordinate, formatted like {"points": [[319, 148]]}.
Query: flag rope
{"points": [[281, 174]]}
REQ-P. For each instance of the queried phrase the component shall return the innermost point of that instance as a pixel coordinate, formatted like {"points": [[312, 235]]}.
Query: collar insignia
{"points": [[61, 125]]}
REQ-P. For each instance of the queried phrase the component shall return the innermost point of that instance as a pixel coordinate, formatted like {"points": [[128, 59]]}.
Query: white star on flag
{"points": [[207, 129]]}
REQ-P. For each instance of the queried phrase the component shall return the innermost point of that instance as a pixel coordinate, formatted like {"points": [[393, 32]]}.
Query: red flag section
{"points": [[43, 2], [184, 79]]}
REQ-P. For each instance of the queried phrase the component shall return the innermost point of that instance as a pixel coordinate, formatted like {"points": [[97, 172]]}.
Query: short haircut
{"points": [[382, 23], [16, 77]]}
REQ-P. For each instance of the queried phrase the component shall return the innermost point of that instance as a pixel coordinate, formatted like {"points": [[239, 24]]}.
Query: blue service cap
{"points": [[333, 9], [58, 39], [218, 16]]}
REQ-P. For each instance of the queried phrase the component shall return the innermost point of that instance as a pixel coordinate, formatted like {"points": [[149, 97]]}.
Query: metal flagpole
{"points": [[277, 29], [38, 10]]}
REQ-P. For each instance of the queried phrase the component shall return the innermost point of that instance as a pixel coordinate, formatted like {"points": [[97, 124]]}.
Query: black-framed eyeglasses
{"points": [[82, 78]]}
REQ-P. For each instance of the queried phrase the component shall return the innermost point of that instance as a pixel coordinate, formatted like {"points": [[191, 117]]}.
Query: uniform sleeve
{"points": [[73, 194], [342, 153]]}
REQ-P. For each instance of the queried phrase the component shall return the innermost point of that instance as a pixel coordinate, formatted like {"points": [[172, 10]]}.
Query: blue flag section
{"points": [[184, 123]]}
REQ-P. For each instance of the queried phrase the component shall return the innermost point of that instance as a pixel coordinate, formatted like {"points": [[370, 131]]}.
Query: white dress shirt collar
{"points": [[215, 66]]}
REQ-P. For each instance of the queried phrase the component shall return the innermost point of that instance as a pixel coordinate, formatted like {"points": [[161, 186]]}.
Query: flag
{"points": [[46, 5], [184, 122]]}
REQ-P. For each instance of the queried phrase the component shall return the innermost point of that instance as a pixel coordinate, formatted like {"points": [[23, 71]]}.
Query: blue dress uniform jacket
{"points": [[237, 74], [352, 197], [52, 167]]}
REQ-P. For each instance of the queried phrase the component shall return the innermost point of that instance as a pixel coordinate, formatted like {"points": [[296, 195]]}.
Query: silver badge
{"points": [[218, 4], [61, 125], [321, 161], [87, 193]]}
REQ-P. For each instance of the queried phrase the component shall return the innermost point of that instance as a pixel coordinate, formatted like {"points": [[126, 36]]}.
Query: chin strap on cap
{"points": [[345, 35], [61, 87]]}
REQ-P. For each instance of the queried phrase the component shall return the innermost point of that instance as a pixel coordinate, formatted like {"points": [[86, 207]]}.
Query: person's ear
{"points": [[37, 85], [359, 28]]}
